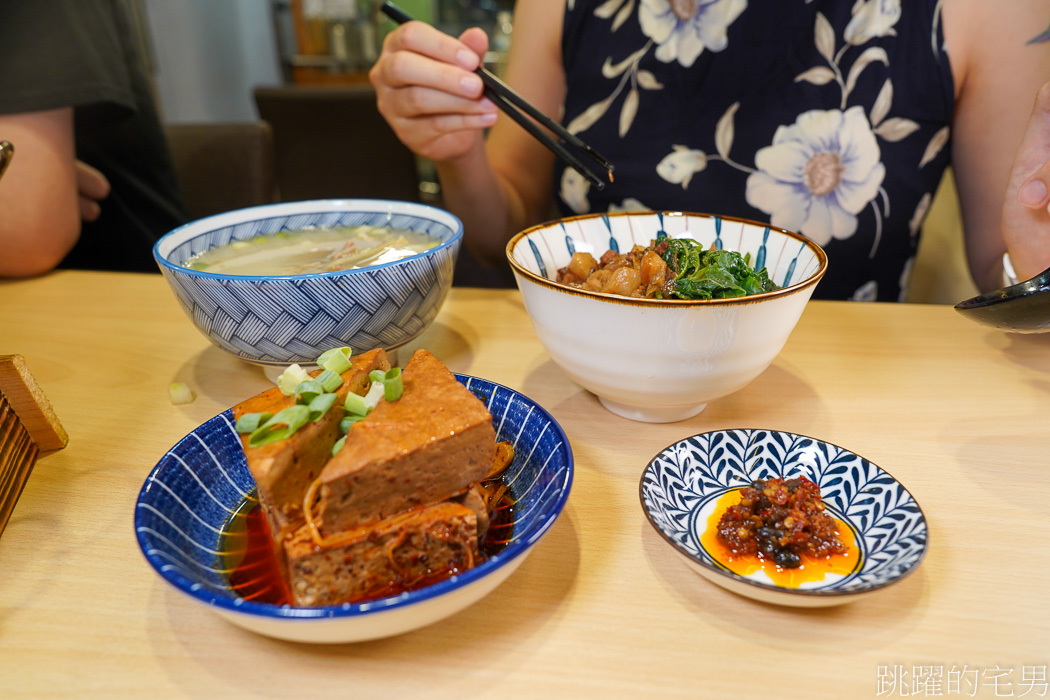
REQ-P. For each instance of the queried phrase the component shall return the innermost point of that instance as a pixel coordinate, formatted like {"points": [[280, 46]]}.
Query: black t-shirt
{"points": [[84, 54]]}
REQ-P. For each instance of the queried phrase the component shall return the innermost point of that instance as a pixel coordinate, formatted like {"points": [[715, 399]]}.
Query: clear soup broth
{"points": [[312, 250]]}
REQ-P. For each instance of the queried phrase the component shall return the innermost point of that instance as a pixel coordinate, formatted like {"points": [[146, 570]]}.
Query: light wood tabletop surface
{"points": [[603, 607]]}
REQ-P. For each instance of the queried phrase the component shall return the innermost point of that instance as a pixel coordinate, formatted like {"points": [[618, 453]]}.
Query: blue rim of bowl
{"points": [[351, 610], [810, 281], [266, 211], [768, 587]]}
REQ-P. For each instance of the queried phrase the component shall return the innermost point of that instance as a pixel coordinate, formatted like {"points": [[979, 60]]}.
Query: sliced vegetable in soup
{"points": [[312, 250]]}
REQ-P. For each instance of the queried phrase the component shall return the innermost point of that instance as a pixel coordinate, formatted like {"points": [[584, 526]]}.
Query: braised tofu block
{"points": [[284, 469], [431, 443], [403, 552]]}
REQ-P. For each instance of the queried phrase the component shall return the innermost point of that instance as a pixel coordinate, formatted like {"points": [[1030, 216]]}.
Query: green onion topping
{"points": [[180, 393], [347, 421], [355, 404], [338, 445], [280, 426], [375, 392], [336, 359], [320, 405], [249, 422], [329, 380], [290, 378], [392, 385], [308, 391]]}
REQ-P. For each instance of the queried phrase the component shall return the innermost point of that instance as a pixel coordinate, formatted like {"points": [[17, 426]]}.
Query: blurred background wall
{"points": [[208, 55]]}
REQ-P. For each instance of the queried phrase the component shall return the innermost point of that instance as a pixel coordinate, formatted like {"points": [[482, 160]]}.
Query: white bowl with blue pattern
{"points": [[681, 484], [275, 321], [662, 360], [204, 478]]}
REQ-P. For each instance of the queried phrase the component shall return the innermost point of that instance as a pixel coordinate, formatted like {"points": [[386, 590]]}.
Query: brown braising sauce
{"points": [[247, 555]]}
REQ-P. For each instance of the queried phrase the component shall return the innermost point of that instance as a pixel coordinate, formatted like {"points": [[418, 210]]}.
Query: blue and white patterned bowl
{"points": [[681, 484], [662, 360], [203, 479], [279, 320]]}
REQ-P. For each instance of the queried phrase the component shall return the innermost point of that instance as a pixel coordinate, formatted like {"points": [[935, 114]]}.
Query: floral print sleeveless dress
{"points": [[824, 117]]}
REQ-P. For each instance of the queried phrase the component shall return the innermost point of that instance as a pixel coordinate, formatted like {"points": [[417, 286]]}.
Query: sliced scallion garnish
{"points": [[375, 392], [249, 422], [355, 404], [336, 359], [338, 445], [347, 421], [180, 393], [329, 380], [321, 405], [280, 426], [393, 387], [291, 377], [307, 391]]}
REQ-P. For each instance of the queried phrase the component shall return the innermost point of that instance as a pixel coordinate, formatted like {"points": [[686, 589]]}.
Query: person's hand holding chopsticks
{"points": [[432, 91], [428, 92]]}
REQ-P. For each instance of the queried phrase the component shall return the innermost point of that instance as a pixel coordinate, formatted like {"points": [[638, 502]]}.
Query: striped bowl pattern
{"points": [[689, 475], [789, 258], [280, 320], [201, 481]]}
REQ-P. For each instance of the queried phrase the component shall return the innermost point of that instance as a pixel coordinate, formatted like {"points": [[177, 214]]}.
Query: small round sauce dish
{"points": [[685, 488]]}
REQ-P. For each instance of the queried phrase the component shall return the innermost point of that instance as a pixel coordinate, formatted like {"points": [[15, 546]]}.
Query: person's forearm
{"points": [[489, 208], [39, 216]]}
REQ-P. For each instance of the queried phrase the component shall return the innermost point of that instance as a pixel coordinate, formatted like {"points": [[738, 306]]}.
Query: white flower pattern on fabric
{"points": [[630, 204], [869, 291], [818, 174], [573, 191], [872, 19], [684, 28], [678, 166]]}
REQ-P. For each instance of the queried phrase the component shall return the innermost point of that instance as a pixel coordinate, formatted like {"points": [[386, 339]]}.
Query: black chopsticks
{"points": [[510, 102]]}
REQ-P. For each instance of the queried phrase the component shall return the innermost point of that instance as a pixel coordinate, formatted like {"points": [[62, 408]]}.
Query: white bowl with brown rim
{"points": [[662, 360]]}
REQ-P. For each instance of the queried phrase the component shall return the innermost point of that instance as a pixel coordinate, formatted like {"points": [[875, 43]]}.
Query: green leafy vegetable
{"points": [[712, 274]]}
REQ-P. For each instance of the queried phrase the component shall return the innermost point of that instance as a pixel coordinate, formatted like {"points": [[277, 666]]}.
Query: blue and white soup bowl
{"points": [[277, 320]]}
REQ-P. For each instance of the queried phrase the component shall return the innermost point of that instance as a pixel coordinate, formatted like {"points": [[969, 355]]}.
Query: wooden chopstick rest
{"points": [[29, 428]]}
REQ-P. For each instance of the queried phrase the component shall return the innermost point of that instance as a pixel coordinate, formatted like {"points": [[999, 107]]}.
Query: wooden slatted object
{"points": [[29, 428]]}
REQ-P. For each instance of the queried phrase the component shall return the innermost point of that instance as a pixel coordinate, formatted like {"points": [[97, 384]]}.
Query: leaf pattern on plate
{"points": [[686, 476]]}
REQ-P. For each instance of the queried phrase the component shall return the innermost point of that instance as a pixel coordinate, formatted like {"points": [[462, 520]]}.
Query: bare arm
{"points": [[998, 75], [44, 193], [427, 92]]}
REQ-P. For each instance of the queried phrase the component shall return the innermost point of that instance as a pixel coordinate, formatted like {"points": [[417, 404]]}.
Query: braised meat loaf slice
{"points": [[429, 444], [283, 470], [400, 553]]}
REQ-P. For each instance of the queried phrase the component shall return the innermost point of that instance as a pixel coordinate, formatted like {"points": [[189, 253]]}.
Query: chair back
{"points": [[223, 166], [332, 142]]}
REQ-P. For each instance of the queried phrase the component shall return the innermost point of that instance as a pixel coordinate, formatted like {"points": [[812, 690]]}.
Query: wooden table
{"points": [[603, 607]]}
